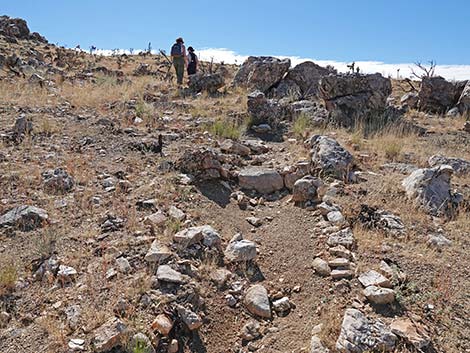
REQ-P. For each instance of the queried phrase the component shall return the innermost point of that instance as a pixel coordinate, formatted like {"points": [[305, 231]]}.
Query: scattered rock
{"points": [[340, 274], [231, 146], [254, 221], [163, 324], [57, 181], [430, 187], [265, 113], [460, 166], [24, 218], [316, 346], [321, 267], [76, 344], [362, 334], [123, 265], [158, 252], [410, 99], [413, 333], [438, 240], [344, 237], [240, 249], [156, 219], [166, 274], [377, 295], [191, 319], [257, 301], [463, 103], [251, 331], [193, 235], [282, 306], [330, 158], [263, 180], [109, 335], [176, 213], [373, 278], [306, 189]]}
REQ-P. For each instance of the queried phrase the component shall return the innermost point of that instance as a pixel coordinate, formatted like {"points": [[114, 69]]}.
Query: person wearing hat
{"points": [[192, 61], [178, 55]]}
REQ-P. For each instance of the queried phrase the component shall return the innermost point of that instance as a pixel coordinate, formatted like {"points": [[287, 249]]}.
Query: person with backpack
{"points": [[193, 61], [178, 55]]}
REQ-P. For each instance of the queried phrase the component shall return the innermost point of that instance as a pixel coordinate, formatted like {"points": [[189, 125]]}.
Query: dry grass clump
{"points": [[302, 126], [226, 129], [8, 276]]}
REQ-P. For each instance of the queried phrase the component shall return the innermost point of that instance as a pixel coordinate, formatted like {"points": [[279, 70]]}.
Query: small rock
{"points": [[339, 274], [191, 319], [373, 278], [156, 219], [251, 331], [339, 262], [158, 252], [321, 267], [66, 274], [377, 295], [230, 300], [257, 301], [123, 265], [109, 335], [76, 344], [221, 276], [415, 334], [316, 346], [173, 347], [281, 305], [166, 274], [163, 324], [176, 213], [254, 221], [438, 240], [240, 250]]}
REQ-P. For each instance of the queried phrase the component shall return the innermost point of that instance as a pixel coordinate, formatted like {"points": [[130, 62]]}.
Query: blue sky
{"points": [[394, 31]]}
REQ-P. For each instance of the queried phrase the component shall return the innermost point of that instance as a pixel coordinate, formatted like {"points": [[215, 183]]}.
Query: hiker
{"points": [[178, 54], [193, 61]]}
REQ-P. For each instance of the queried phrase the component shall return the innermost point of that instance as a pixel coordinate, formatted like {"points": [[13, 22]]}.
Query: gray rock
{"points": [[321, 267], [123, 265], [430, 187], [23, 127], [25, 218], [262, 180], [460, 166], [76, 344], [306, 189], [351, 99], [240, 250], [221, 276], [261, 72], [463, 103], [190, 318], [254, 221], [437, 95], [257, 301], [438, 240], [339, 262], [335, 217], [410, 99], [377, 295], [374, 278], [340, 274], [293, 173], [251, 330], [266, 114], [281, 305], [205, 234], [203, 163], [328, 157], [158, 252], [176, 213], [344, 237], [57, 181], [166, 274], [403, 168], [361, 334], [302, 81], [66, 273], [230, 146], [109, 335], [316, 346], [453, 113], [202, 82], [316, 113]]}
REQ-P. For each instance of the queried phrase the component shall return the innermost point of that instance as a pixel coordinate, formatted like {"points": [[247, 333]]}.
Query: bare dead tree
{"points": [[425, 71], [411, 88]]}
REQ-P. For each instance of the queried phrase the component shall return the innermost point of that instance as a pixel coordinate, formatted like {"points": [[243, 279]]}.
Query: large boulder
{"points": [[437, 95], [262, 180], [302, 81], [24, 218], [362, 334], [351, 99], [265, 111], [328, 157], [202, 82], [464, 100], [430, 187], [17, 28], [261, 72]]}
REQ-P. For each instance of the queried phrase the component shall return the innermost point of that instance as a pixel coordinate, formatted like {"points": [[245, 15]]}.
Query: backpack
{"points": [[176, 49]]}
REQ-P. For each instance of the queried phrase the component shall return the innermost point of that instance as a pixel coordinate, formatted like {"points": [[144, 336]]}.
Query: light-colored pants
{"points": [[178, 63]]}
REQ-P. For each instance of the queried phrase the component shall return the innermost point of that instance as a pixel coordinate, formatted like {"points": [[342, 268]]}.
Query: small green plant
{"points": [[392, 149], [302, 126], [226, 129]]}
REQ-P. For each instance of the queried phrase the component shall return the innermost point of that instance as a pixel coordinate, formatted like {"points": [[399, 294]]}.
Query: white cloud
{"points": [[450, 72]]}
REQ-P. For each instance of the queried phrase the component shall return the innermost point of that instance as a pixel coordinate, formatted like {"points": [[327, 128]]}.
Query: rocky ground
{"points": [[262, 208]]}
